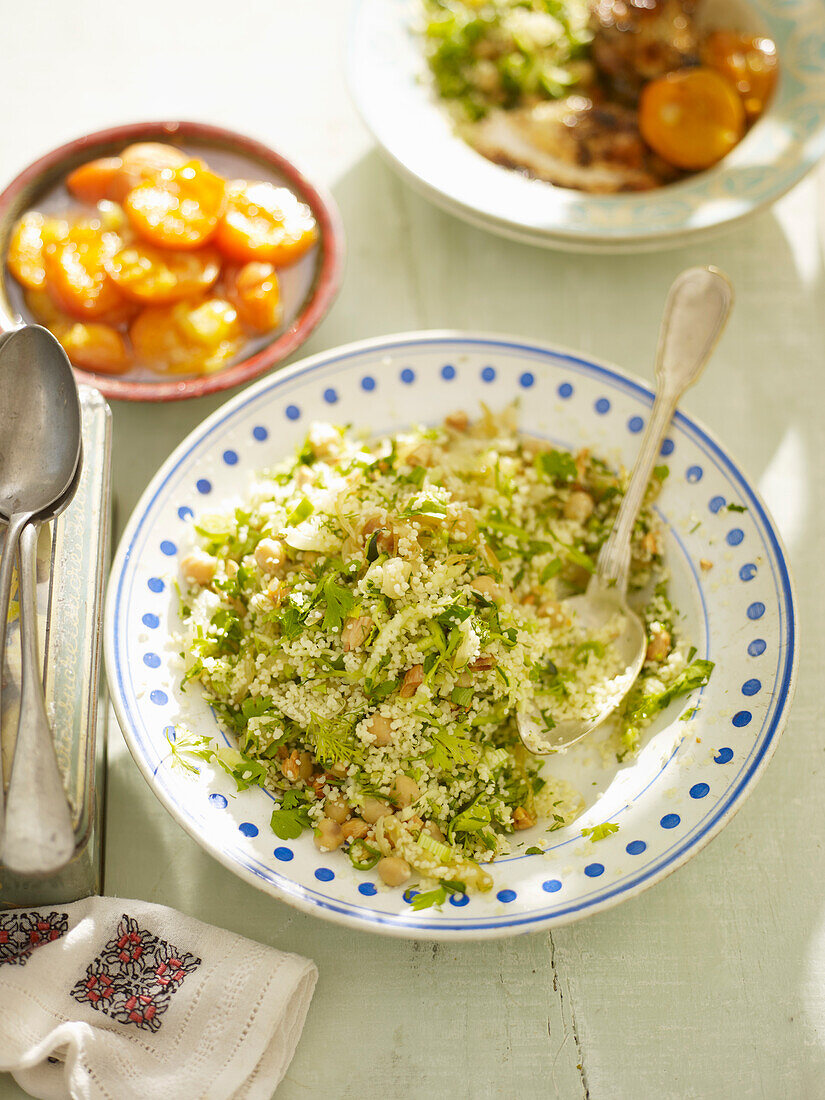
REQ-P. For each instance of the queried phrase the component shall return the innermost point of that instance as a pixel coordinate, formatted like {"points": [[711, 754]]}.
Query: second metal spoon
{"points": [[696, 311], [39, 454]]}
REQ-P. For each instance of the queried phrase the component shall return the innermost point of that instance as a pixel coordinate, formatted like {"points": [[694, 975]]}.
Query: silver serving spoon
{"points": [[26, 817], [696, 311], [40, 438]]}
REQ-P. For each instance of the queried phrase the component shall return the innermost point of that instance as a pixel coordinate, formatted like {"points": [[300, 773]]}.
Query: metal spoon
{"points": [[39, 454], [696, 311], [27, 820]]}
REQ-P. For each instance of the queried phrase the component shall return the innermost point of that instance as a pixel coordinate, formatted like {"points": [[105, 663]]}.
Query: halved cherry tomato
{"points": [[179, 209], [112, 219], [255, 292], [32, 235], [143, 161], [750, 64], [96, 347], [76, 275], [691, 118], [187, 338], [45, 312], [155, 276], [265, 222], [95, 180]]}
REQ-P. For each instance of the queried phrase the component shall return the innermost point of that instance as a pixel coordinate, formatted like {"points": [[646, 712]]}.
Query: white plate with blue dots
{"points": [[730, 581]]}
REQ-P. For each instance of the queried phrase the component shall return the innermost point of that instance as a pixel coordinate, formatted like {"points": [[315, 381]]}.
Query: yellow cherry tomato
{"points": [[188, 337], [750, 64], [256, 294], [265, 222], [96, 347], [95, 180], [32, 235], [76, 275], [691, 118], [154, 276], [178, 209]]}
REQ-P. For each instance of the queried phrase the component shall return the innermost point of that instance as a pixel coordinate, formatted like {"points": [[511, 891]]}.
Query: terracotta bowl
{"points": [[308, 287]]}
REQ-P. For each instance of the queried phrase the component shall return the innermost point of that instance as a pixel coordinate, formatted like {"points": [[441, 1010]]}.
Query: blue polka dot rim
{"points": [[700, 804]]}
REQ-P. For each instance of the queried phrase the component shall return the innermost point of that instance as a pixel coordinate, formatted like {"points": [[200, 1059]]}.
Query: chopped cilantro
{"points": [[438, 896], [303, 510], [599, 832], [461, 696], [550, 570], [289, 822], [557, 465], [339, 603], [449, 749]]}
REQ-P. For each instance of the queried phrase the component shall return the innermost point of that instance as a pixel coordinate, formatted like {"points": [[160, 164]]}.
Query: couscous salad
{"points": [[371, 618]]}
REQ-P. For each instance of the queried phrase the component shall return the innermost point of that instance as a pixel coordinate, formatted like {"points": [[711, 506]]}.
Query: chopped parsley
{"points": [[599, 832]]}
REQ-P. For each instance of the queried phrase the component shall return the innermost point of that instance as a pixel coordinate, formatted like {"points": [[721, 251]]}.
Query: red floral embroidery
{"points": [[22, 933], [134, 977]]}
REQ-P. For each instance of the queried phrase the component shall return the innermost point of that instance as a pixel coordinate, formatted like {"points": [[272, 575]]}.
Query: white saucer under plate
{"points": [[690, 776], [389, 82]]}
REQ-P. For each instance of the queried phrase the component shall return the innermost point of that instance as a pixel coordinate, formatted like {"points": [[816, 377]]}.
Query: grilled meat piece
{"points": [[639, 40], [573, 143]]}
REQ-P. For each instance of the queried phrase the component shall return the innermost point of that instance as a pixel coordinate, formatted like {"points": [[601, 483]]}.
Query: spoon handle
{"points": [[16, 525], [39, 837], [697, 308]]}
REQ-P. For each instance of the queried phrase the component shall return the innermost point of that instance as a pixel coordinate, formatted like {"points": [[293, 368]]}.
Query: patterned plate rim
{"points": [[263, 877]]}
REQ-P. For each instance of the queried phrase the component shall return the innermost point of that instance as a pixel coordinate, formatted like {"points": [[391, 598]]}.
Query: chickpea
{"points": [[433, 830], [198, 568], [355, 632], [298, 765], [336, 808], [579, 506], [355, 829], [483, 663], [413, 679], [420, 455], [270, 554], [394, 870], [328, 835], [324, 440], [522, 819], [405, 790], [658, 646], [381, 729], [650, 543], [231, 568], [375, 808], [487, 587], [458, 421], [553, 611]]}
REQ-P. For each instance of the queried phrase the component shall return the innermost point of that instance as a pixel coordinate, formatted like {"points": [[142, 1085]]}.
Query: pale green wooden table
{"points": [[713, 983]]}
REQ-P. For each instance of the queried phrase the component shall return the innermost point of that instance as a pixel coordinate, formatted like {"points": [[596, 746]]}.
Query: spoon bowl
{"points": [[696, 311], [40, 431], [593, 611]]}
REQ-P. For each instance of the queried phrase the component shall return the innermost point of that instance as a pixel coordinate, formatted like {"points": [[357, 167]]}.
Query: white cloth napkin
{"points": [[108, 999]]}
